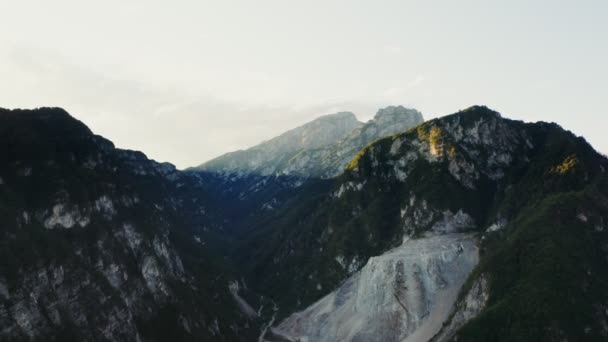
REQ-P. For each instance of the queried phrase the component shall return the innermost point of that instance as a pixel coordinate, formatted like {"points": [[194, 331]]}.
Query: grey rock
{"points": [[405, 294], [320, 148]]}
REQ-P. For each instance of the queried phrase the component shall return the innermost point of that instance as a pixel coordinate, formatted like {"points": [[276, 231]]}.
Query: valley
{"points": [[468, 227]]}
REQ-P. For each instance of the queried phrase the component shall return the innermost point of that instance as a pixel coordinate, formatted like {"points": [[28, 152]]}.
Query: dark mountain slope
{"points": [[99, 243], [523, 188], [102, 244], [547, 273], [256, 182]]}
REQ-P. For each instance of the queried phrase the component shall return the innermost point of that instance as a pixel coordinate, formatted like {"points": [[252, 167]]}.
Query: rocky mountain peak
{"points": [[481, 109], [46, 120], [477, 112], [338, 117], [272, 155], [393, 114], [320, 148], [43, 134], [322, 131], [440, 233]]}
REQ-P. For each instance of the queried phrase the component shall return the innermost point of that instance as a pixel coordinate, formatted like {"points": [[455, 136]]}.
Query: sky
{"points": [[187, 80]]}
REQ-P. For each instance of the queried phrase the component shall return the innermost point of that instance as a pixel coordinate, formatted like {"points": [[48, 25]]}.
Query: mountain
{"points": [[402, 294], [320, 148], [103, 244], [470, 227], [252, 184], [331, 161], [272, 156]]}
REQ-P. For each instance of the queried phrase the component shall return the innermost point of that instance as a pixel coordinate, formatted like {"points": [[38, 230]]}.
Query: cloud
{"points": [[173, 124]]}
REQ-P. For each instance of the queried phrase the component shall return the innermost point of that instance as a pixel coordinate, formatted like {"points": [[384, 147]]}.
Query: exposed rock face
{"points": [[331, 161], [473, 303], [96, 242], [521, 187], [254, 178], [403, 295], [270, 157], [472, 147], [320, 148], [99, 243]]}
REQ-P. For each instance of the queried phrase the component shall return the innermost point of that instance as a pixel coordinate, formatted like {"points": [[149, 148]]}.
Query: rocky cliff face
{"points": [[331, 161], [98, 244], [404, 294], [442, 232], [261, 180], [320, 148], [517, 186], [270, 157]]}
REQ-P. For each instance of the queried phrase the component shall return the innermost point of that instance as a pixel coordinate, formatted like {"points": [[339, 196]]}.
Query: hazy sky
{"points": [[185, 81]]}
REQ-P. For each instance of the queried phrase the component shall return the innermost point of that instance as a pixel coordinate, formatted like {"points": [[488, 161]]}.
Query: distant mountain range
{"points": [[468, 227], [320, 148]]}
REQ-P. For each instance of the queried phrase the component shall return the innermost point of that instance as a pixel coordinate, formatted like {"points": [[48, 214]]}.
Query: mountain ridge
{"points": [[303, 159], [101, 244], [531, 199], [472, 171]]}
